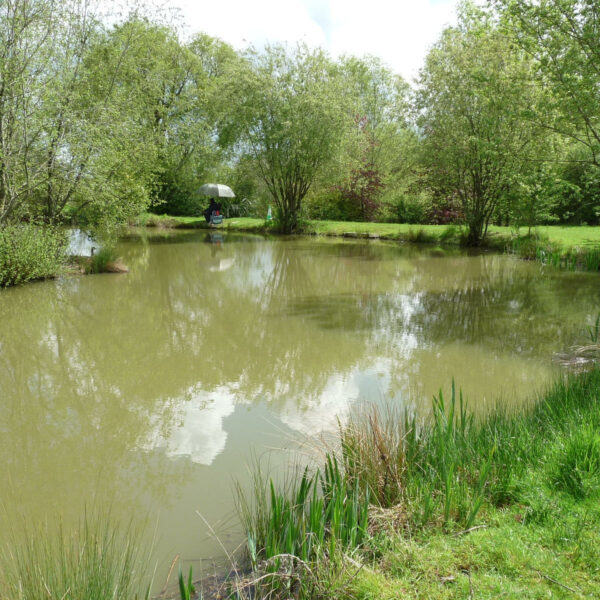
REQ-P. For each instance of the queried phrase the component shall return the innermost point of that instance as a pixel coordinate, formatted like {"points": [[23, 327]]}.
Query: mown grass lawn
{"points": [[567, 237]]}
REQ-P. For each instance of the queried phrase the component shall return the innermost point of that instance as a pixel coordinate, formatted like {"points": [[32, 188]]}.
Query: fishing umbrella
{"points": [[216, 190]]}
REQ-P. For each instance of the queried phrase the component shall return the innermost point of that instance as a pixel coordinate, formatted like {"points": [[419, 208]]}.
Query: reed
{"points": [[293, 527], [97, 561], [430, 466]]}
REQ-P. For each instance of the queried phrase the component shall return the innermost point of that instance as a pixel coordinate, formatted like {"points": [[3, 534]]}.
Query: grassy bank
{"points": [[563, 247], [456, 508]]}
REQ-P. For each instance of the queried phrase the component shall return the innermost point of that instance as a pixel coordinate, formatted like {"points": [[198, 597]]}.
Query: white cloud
{"points": [[399, 32], [198, 431]]}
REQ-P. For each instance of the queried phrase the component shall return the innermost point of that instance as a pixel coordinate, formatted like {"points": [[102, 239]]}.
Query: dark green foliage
{"points": [[29, 252], [330, 205], [579, 202], [410, 209]]}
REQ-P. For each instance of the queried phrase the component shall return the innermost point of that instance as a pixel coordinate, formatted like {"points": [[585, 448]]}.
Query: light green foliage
{"points": [[534, 196], [67, 146], [562, 36], [471, 96], [174, 89], [29, 252], [376, 139], [97, 122], [26, 32], [288, 104]]}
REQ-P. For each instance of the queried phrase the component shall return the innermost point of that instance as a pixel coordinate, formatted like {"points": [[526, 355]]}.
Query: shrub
{"points": [[410, 209], [29, 252]]}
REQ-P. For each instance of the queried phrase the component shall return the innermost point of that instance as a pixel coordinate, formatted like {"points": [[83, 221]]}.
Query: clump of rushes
{"points": [[307, 522], [29, 252], [421, 466], [105, 261], [538, 247], [96, 562], [420, 236]]}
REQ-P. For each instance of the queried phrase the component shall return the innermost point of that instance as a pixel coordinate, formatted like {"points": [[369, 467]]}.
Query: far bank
{"points": [[572, 248]]}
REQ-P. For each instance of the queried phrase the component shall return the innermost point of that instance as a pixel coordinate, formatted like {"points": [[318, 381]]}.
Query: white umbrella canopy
{"points": [[216, 190]]}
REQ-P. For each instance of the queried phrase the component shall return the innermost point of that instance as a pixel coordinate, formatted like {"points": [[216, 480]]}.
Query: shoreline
{"points": [[561, 247], [456, 508]]}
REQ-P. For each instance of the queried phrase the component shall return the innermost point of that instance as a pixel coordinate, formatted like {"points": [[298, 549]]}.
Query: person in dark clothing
{"points": [[212, 207]]}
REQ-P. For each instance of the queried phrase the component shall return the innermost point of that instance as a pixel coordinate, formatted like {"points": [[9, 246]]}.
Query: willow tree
{"points": [[288, 106], [474, 92]]}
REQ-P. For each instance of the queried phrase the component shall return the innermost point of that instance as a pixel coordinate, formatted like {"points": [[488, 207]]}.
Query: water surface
{"points": [[150, 391]]}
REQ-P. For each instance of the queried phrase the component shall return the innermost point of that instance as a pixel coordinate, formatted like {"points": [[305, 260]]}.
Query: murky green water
{"points": [[150, 391]]}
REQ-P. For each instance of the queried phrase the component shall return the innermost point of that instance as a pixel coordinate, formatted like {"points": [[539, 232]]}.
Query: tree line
{"points": [[104, 118]]}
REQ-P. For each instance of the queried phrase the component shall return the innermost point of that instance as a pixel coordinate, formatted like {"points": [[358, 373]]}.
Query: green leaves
{"points": [[28, 252], [472, 95], [289, 107]]}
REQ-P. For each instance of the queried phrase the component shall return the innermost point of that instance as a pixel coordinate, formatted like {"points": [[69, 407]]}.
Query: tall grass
{"points": [[96, 562], [29, 252], [577, 466]]}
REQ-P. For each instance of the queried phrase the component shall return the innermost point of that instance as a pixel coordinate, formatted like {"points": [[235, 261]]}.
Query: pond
{"points": [[151, 392]]}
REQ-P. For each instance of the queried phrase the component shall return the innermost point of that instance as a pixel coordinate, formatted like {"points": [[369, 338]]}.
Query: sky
{"points": [[398, 31]]}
